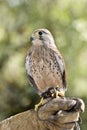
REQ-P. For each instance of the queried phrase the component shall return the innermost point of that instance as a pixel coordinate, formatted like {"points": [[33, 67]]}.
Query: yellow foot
{"points": [[39, 104], [58, 94]]}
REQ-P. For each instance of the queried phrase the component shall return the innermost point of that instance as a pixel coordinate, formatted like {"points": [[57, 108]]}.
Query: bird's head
{"points": [[42, 37]]}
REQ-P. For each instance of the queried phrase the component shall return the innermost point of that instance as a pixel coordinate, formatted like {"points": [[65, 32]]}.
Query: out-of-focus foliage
{"points": [[67, 20]]}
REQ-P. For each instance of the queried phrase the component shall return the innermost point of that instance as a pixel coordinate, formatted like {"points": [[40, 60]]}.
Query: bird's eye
{"points": [[40, 33]]}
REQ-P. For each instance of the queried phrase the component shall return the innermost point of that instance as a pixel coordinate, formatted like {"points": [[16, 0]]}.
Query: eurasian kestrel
{"points": [[45, 66]]}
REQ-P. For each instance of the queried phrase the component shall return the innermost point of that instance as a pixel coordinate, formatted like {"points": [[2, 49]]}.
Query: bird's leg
{"points": [[39, 104], [58, 94], [51, 93]]}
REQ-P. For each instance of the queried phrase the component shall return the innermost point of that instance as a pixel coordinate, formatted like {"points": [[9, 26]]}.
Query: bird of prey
{"points": [[45, 65]]}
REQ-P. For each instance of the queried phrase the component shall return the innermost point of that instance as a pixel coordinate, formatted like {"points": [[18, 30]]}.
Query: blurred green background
{"points": [[67, 20]]}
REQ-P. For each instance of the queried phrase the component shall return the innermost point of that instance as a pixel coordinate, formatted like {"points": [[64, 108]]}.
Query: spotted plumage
{"points": [[44, 64]]}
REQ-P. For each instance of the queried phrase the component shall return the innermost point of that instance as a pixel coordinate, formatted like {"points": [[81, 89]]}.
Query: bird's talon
{"points": [[58, 94], [53, 95], [39, 104]]}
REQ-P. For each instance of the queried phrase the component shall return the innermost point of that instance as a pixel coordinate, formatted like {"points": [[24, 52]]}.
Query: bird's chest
{"points": [[43, 63], [44, 68]]}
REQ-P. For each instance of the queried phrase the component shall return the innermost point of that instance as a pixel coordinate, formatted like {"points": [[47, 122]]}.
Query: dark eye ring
{"points": [[40, 33]]}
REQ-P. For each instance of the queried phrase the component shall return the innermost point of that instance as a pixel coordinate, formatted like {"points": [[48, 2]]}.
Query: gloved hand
{"points": [[61, 114]]}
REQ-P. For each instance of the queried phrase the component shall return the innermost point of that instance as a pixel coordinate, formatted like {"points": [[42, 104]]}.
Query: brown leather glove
{"points": [[61, 114], [57, 114]]}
